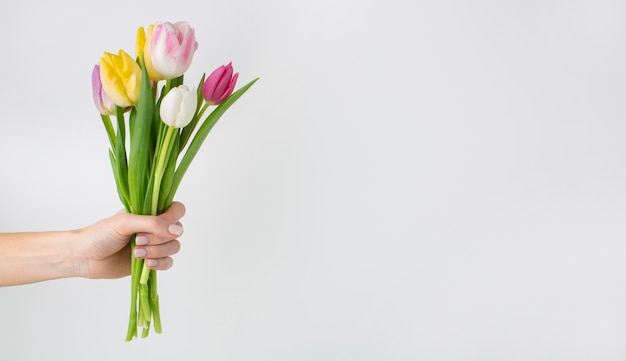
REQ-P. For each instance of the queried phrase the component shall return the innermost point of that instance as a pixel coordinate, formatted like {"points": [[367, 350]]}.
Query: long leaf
{"points": [[121, 174], [120, 190], [106, 120], [201, 135], [139, 158]]}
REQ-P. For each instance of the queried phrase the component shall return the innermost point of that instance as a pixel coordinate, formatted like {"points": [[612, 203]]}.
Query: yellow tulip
{"points": [[144, 51], [121, 78]]}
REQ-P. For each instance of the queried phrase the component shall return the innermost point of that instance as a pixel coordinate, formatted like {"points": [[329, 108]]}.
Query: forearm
{"points": [[37, 256], [101, 250]]}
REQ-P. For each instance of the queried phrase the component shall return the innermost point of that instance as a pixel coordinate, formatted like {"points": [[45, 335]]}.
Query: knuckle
{"points": [[153, 222]]}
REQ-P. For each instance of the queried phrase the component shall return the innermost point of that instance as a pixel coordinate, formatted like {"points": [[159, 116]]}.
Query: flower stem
{"points": [[158, 175], [144, 307], [145, 274], [154, 302], [148, 296], [135, 267], [160, 168]]}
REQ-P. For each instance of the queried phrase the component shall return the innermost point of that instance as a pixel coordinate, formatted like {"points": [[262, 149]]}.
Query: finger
{"points": [[160, 228], [160, 264], [163, 250], [153, 239], [174, 213]]}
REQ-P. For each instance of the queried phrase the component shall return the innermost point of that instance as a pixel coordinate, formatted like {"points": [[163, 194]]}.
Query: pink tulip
{"points": [[219, 85], [103, 103], [172, 47]]}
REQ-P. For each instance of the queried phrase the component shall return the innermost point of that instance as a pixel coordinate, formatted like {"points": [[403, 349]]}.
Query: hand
{"points": [[105, 252]]}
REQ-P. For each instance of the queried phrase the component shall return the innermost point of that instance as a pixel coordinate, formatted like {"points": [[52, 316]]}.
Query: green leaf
{"points": [[121, 165], [147, 202], [139, 159], [123, 194], [188, 130], [201, 135], [132, 115], [106, 120], [177, 81]]}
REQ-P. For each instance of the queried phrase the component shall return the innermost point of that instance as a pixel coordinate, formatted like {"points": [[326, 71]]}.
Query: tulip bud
{"points": [[171, 48], [103, 103], [178, 106], [121, 78], [219, 85]]}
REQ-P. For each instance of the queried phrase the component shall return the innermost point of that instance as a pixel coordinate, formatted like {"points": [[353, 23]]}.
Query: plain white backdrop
{"points": [[426, 180]]}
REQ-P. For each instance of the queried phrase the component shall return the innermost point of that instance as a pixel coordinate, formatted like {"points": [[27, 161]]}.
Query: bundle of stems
{"points": [[149, 159]]}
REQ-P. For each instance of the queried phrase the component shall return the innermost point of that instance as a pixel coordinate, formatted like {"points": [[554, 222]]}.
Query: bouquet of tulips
{"points": [[159, 126]]}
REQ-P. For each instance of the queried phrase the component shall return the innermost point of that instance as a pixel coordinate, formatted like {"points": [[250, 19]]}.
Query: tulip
{"points": [[178, 106], [170, 48], [219, 85], [121, 78], [143, 52], [103, 103]]}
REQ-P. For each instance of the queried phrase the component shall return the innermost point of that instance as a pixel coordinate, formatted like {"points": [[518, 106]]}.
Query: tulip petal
{"points": [[96, 87], [229, 90], [102, 102], [140, 43]]}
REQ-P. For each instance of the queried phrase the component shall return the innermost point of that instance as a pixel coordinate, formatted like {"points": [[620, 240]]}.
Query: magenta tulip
{"points": [[219, 85]]}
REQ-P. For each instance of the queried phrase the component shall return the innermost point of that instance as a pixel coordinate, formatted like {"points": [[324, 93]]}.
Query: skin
{"points": [[100, 250]]}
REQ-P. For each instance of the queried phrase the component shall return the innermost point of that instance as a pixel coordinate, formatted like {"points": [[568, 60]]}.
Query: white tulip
{"points": [[178, 106]]}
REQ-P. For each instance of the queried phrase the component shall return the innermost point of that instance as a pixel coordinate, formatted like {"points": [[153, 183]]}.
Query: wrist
{"points": [[79, 257], [71, 254], [57, 254]]}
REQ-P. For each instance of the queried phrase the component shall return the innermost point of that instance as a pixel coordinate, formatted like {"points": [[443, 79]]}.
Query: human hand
{"points": [[105, 252]]}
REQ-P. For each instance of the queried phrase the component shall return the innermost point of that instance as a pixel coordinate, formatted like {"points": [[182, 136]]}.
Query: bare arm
{"points": [[100, 250]]}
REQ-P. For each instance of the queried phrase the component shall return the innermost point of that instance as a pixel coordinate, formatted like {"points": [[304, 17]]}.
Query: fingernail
{"points": [[151, 262], [142, 240], [140, 252], [176, 229]]}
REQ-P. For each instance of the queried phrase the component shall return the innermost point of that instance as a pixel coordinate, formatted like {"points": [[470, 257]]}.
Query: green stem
{"points": [[135, 267], [160, 168], [158, 175], [144, 307], [145, 274], [154, 302]]}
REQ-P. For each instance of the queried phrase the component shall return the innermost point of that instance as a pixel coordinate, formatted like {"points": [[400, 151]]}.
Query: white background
{"points": [[409, 180]]}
